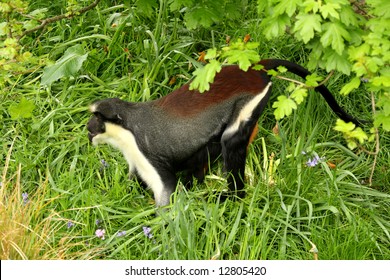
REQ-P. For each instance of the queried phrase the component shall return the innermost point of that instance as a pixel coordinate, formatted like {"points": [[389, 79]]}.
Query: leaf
{"points": [[330, 9], [351, 133], [204, 76], [334, 36], [334, 61], [284, 107], [177, 4], [286, 6], [146, 6], [306, 24], [382, 119], [299, 94], [312, 80], [201, 15], [211, 54], [274, 27], [23, 109], [353, 84], [66, 66], [342, 126], [359, 135]]}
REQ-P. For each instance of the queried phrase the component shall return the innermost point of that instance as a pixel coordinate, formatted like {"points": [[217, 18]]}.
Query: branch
{"points": [[303, 84], [58, 18], [377, 143]]}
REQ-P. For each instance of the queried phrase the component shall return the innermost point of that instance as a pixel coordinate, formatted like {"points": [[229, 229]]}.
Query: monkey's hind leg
{"points": [[234, 148]]}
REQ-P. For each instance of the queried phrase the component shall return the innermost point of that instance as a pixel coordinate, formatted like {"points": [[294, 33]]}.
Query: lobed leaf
{"points": [[334, 36], [283, 107], [204, 76], [306, 24], [23, 109]]}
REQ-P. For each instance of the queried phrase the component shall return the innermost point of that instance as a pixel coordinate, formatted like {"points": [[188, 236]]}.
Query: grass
{"points": [[289, 208]]}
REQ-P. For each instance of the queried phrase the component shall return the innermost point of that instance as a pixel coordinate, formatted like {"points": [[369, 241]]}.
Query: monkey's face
{"points": [[95, 126]]}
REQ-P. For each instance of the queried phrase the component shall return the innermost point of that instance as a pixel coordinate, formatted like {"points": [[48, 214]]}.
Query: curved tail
{"points": [[323, 90]]}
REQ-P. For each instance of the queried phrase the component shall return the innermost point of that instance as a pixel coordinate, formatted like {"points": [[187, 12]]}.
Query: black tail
{"points": [[323, 90]]}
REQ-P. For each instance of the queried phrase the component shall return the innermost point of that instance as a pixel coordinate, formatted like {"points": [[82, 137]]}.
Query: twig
{"points": [[377, 143], [58, 18], [303, 84], [293, 81]]}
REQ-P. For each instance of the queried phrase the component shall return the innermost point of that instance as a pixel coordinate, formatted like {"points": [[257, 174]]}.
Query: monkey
{"points": [[185, 129]]}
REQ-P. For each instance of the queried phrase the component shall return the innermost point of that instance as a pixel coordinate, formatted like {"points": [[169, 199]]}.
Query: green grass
{"points": [[289, 207]]}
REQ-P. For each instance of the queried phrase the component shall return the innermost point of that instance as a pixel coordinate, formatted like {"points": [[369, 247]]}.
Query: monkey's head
{"points": [[104, 112]]}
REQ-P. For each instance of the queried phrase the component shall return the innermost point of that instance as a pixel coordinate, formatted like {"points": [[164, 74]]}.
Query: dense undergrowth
{"points": [[308, 195]]}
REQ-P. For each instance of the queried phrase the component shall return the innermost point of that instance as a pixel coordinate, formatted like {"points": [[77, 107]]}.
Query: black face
{"points": [[95, 126]]}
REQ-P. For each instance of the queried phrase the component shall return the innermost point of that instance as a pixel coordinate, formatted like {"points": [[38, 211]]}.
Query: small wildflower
{"points": [[104, 164], [100, 233], [148, 232], [25, 198], [313, 162], [69, 224], [98, 222], [121, 233]]}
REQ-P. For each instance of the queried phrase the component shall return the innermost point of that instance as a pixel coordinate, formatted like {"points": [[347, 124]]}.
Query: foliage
{"points": [[347, 36], [62, 198]]}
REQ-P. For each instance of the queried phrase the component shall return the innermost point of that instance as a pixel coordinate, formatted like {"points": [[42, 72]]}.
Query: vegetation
{"points": [[308, 195]]}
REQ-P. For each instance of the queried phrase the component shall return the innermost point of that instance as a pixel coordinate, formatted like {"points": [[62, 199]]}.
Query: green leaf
{"points": [[201, 15], [282, 69], [211, 54], [312, 80], [311, 6], [359, 135], [306, 24], [353, 84], [284, 107], [274, 27], [258, 67], [382, 119], [351, 133], [204, 76], [286, 6], [342, 126], [334, 36], [382, 116], [330, 9], [66, 66], [146, 6], [23, 109], [334, 61], [299, 94], [177, 4], [245, 58]]}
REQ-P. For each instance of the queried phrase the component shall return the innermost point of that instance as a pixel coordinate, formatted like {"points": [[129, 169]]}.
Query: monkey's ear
{"points": [[110, 109]]}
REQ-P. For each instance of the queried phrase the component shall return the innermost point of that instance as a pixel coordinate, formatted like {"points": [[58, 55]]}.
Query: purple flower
{"points": [[104, 165], [98, 222], [121, 233], [148, 232], [100, 233], [25, 198], [69, 224], [314, 161]]}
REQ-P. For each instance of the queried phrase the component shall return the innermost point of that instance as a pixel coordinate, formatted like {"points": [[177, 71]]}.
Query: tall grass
{"points": [[291, 211]]}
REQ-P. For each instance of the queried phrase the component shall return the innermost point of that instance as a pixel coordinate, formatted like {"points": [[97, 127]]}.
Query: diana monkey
{"points": [[184, 130]]}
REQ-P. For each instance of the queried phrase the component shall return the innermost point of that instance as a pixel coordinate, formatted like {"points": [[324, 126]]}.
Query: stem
{"points": [[377, 143]]}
